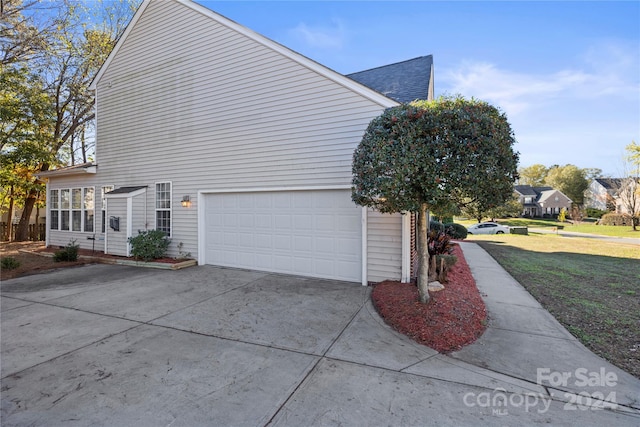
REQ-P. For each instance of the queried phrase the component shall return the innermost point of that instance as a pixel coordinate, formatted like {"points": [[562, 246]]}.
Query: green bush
{"points": [[456, 231], [616, 219], [595, 213], [9, 263], [435, 225], [149, 245], [68, 253]]}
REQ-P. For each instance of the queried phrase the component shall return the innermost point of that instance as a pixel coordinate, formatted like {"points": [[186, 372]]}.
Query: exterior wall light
{"points": [[185, 202]]}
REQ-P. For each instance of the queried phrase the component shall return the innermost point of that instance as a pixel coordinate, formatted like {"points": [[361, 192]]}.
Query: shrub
{"points": [[595, 213], [68, 253], [616, 219], [435, 225], [439, 243], [456, 231], [9, 263], [149, 245]]}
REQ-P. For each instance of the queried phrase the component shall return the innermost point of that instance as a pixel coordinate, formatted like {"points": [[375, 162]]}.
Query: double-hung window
{"points": [[163, 207], [88, 205], [76, 209], [65, 204], [54, 203], [72, 209]]}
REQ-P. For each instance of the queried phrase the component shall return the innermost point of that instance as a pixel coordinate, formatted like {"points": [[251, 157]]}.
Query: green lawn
{"points": [[584, 227], [591, 287]]}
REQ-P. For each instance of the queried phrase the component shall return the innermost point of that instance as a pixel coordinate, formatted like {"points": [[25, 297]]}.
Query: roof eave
{"points": [[66, 172]]}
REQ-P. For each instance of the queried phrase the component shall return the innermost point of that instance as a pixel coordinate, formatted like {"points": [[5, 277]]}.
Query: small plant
{"points": [[439, 243], [562, 216], [595, 213], [149, 245], [68, 253], [9, 263], [181, 254]]}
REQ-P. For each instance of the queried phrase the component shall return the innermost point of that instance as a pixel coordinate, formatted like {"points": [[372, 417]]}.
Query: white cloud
{"points": [[583, 114], [323, 36], [609, 70]]}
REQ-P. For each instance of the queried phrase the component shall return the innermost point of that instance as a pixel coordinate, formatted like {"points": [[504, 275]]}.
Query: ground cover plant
{"points": [[591, 287], [29, 263], [453, 317]]}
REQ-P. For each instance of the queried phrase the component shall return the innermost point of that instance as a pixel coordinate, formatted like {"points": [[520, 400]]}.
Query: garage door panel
{"points": [[314, 233]]}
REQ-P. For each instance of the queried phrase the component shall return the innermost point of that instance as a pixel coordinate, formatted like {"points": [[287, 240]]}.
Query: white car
{"points": [[488, 228]]}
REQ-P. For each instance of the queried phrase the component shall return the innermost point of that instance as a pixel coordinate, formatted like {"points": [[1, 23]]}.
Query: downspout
{"points": [[364, 246], [47, 218], [406, 247]]}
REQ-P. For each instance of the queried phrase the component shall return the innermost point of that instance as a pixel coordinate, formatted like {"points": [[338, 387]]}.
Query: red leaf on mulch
{"points": [[453, 318]]}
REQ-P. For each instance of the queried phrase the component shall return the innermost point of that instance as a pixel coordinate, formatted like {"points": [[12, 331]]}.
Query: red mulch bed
{"points": [[453, 317]]}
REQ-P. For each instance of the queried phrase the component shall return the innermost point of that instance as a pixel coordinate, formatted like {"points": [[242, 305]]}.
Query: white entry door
{"points": [[311, 233]]}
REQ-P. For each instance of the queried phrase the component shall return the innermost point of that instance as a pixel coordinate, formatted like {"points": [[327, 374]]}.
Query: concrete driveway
{"points": [[207, 346]]}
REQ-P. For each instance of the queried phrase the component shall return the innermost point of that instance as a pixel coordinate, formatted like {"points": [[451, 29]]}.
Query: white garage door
{"points": [[309, 233]]}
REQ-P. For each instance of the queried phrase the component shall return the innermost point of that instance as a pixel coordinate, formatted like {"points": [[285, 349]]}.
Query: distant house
{"points": [[541, 201], [613, 194], [235, 146]]}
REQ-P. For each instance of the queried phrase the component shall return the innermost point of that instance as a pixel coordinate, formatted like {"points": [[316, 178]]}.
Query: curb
{"points": [[133, 263]]}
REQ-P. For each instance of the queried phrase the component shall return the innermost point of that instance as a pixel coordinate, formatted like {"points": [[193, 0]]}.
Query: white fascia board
{"points": [[264, 189], [67, 171]]}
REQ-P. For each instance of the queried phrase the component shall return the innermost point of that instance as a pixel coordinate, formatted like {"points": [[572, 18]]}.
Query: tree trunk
{"points": [[10, 217], [22, 233], [423, 255]]}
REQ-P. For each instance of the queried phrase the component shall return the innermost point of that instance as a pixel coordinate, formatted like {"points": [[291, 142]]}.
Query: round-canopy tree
{"points": [[429, 154]]}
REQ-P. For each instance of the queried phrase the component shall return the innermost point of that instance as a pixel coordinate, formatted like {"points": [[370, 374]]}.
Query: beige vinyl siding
{"points": [[188, 100], [384, 246], [59, 238], [117, 240], [140, 215]]}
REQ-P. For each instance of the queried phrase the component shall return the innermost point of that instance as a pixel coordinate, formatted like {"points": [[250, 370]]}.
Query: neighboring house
{"points": [[613, 194], [237, 147], [541, 201]]}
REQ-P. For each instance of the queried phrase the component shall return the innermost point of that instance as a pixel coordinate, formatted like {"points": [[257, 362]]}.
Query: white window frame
{"points": [[69, 209], [103, 211], [167, 207], [88, 205], [54, 207]]}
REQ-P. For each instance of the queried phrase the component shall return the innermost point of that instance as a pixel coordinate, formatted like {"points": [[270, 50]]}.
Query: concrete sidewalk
{"points": [[114, 345]]}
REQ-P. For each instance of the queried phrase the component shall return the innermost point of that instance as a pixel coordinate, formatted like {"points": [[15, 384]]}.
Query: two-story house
{"points": [[236, 147], [541, 201], [613, 194]]}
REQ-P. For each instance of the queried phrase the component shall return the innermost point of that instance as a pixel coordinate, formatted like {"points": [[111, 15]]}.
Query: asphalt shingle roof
{"points": [[610, 183], [126, 190], [403, 81]]}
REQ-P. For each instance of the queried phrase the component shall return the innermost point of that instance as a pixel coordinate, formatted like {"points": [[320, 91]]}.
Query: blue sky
{"points": [[567, 74]]}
